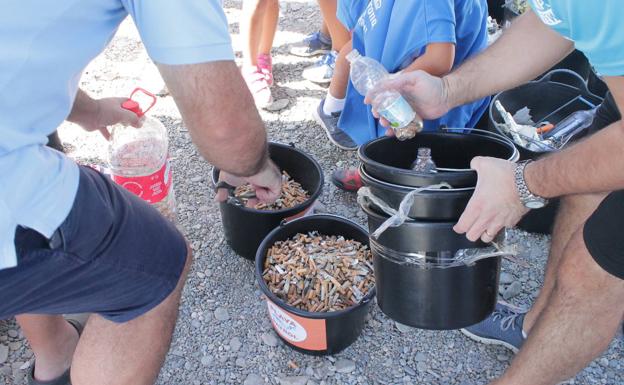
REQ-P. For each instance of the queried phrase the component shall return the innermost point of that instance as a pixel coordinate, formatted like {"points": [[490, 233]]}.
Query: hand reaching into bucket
{"points": [[267, 184], [495, 203], [425, 93]]}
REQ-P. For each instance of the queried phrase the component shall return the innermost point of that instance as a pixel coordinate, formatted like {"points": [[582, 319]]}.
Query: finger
{"points": [[389, 132], [492, 230], [267, 195], [385, 85], [221, 195], [477, 230], [252, 203], [105, 132], [468, 217]]}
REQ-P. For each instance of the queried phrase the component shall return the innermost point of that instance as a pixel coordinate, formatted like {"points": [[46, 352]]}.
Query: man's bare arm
{"points": [[592, 165], [523, 51], [220, 114]]}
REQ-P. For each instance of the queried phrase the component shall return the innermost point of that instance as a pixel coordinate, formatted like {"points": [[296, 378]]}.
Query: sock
{"points": [[332, 104], [324, 38]]}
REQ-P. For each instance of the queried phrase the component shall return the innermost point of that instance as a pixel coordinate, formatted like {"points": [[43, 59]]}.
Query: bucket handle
{"points": [[575, 80], [514, 157]]}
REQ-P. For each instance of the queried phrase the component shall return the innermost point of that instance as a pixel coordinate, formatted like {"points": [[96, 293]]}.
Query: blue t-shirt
{"points": [[44, 47], [595, 27], [397, 32]]}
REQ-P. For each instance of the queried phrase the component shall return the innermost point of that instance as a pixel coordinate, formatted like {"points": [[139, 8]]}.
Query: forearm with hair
{"points": [[220, 114], [525, 50], [592, 165]]}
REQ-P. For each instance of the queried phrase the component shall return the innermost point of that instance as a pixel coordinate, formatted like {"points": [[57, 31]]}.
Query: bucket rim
{"points": [[261, 256], [366, 175], [291, 210], [406, 172]]}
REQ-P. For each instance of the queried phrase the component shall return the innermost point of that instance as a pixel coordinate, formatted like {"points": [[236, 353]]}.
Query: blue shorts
{"points": [[114, 255]]}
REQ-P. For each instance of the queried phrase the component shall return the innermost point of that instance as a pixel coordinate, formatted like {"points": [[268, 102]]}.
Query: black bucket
{"points": [[552, 98], [389, 159], [307, 332], [244, 227], [434, 205], [431, 296]]}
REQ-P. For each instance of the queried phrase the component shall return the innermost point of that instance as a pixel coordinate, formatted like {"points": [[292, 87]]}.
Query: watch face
{"points": [[534, 204]]}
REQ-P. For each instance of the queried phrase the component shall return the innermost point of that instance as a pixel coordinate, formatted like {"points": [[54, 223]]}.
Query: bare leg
{"points": [[53, 341], [582, 314], [339, 34], [573, 211], [324, 29], [340, 79], [251, 30], [269, 25], [131, 353]]}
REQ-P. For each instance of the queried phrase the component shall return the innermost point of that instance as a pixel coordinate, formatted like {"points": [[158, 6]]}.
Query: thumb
{"points": [[129, 118]]}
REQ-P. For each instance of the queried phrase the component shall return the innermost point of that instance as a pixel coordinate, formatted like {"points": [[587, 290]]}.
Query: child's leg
{"points": [[269, 25], [251, 30], [338, 87], [339, 34]]}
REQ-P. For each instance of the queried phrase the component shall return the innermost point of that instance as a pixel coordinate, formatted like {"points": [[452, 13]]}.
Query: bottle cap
{"points": [[353, 55]]}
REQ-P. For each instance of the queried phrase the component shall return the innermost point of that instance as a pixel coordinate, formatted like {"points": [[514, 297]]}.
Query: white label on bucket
{"points": [[285, 325]]}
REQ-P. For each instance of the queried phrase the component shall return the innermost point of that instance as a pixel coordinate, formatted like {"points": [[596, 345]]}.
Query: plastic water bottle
{"points": [[139, 159], [423, 162], [365, 74]]}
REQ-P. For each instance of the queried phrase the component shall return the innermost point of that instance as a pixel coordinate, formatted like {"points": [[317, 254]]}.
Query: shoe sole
{"points": [[324, 81], [318, 52], [320, 122], [489, 341]]}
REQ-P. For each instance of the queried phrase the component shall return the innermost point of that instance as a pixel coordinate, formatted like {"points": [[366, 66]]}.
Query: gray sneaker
{"points": [[330, 125], [312, 45], [503, 327]]}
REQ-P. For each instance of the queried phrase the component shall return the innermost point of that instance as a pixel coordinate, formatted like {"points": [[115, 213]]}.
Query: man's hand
{"points": [[495, 203], [98, 114], [267, 183], [425, 93]]}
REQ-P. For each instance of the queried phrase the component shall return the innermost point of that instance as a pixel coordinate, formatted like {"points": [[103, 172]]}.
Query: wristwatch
{"points": [[526, 197]]}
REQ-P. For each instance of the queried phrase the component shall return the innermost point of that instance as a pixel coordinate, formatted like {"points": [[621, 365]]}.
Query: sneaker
{"points": [[503, 327], [330, 125], [265, 66], [347, 179], [322, 71], [312, 45], [259, 87]]}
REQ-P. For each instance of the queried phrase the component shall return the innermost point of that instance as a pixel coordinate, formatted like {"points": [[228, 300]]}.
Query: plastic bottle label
{"points": [[399, 113], [151, 188]]}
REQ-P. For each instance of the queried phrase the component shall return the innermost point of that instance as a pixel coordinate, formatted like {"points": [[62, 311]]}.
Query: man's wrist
{"points": [[531, 179], [448, 90]]}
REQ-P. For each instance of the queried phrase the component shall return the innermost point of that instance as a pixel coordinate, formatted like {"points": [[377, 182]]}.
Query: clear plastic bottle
{"points": [[139, 159], [365, 74], [423, 162]]}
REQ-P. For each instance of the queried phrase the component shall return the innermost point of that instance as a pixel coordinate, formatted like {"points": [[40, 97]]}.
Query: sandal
{"points": [[78, 321]]}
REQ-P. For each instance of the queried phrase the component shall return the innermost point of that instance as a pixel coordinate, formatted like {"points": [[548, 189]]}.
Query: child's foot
{"points": [[312, 45], [330, 124], [322, 71], [265, 66], [258, 86]]}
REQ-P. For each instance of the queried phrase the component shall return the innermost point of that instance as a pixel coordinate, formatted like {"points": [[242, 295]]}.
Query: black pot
{"points": [[436, 205], [325, 333], [431, 296], [244, 227], [389, 159]]}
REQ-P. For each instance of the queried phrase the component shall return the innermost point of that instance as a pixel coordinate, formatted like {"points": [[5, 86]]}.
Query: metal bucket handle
{"points": [[575, 81]]}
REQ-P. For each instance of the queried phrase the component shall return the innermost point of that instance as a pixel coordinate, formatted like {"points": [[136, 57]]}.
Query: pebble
{"points": [[501, 357], [293, 380], [269, 339], [253, 379], [235, 344], [12, 333], [241, 362], [513, 290], [206, 360], [604, 362], [4, 353], [506, 278], [403, 328], [344, 365], [420, 357], [221, 314], [277, 105]]}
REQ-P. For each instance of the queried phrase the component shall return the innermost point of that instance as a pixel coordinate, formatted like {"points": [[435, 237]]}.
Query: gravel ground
{"points": [[224, 335]]}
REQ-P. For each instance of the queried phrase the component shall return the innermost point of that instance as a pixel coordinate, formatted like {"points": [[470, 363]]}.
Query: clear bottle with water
{"points": [[139, 159], [423, 162], [365, 74]]}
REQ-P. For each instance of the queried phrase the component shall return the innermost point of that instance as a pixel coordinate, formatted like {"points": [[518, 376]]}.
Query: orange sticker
{"points": [[305, 333]]}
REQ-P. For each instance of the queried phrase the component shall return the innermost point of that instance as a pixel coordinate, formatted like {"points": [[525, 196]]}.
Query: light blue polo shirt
{"points": [[395, 33], [44, 47], [596, 27]]}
